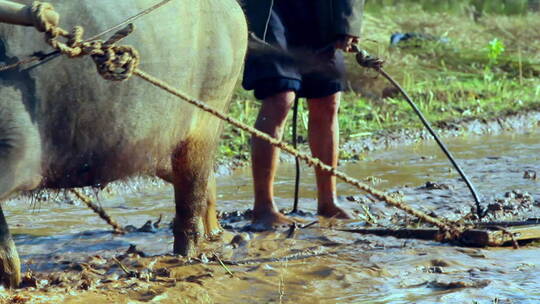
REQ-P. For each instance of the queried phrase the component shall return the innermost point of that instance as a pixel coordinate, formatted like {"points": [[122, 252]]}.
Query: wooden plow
{"points": [[489, 234]]}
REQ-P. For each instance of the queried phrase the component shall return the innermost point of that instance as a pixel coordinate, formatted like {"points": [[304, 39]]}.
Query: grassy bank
{"points": [[471, 65]]}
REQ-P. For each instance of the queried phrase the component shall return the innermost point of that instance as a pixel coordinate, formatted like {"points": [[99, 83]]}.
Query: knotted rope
{"points": [[41, 23], [113, 62], [120, 62]]}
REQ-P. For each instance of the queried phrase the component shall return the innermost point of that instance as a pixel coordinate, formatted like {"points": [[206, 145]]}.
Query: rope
{"points": [[120, 62], [515, 243], [37, 10], [118, 229], [22, 62], [41, 23], [113, 62], [131, 19]]}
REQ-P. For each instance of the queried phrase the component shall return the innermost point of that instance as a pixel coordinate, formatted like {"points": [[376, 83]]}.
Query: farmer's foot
{"points": [[270, 220], [334, 210]]}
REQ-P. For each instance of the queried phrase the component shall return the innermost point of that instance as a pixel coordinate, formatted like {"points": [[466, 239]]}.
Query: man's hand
{"points": [[346, 43]]}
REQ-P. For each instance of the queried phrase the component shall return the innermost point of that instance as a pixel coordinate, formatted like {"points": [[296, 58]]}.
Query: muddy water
{"points": [[343, 267]]}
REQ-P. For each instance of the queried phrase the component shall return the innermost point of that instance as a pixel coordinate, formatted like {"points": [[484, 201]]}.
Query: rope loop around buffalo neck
{"points": [[113, 62], [37, 12]]}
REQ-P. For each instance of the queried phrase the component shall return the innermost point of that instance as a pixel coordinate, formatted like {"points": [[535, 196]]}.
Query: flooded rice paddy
{"points": [[68, 252]]}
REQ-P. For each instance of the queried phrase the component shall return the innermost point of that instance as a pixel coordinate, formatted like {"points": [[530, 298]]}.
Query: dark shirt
{"points": [[332, 18], [318, 68], [299, 18]]}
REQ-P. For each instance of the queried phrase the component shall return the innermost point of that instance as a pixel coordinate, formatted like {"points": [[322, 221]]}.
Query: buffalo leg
{"points": [[10, 266], [20, 147], [20, 168], [212, 228], [191, 168]]}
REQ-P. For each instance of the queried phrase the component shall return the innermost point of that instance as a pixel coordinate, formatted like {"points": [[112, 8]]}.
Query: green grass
{"points": [[489, 67]]}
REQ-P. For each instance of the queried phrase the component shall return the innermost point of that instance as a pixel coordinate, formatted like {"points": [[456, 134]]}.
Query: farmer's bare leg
{"points": [[324, 144], [265, 157]]}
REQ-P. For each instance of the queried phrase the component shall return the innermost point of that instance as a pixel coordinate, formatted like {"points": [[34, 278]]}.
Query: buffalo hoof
{"points": [[214, 235], [185, 244], [186, 237], [212, 229], [10, 265]]}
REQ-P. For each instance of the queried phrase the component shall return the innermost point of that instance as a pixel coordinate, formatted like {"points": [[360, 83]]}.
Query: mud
{"points": [[70, 256]]}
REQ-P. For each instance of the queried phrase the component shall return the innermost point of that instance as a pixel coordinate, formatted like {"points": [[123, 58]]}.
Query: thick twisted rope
{"points": [[37, 11], [41, 23], [112, 62], [117, 228], [120, 62]]}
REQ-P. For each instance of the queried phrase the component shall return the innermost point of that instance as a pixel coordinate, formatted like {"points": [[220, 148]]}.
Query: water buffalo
{"points": [[63, 126]]}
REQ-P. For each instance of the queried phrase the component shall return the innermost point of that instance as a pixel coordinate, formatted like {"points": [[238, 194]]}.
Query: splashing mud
{"points": [[69, 256]]}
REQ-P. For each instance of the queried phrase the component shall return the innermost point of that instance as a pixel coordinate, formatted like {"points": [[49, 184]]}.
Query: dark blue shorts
{"points": [[317, 71]]}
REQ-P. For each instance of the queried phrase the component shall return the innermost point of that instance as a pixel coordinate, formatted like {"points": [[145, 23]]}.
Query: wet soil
{"points": [[70, 256], [517, 123], [356, 148]]}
